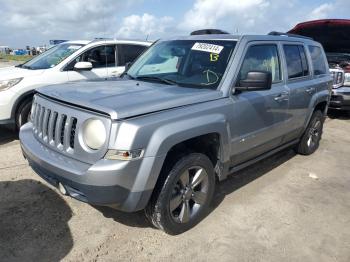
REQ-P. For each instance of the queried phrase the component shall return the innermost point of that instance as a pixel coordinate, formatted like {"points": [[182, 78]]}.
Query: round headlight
{"points": [[94, 133]]}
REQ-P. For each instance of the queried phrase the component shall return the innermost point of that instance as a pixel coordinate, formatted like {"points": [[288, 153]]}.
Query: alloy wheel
{"points": [[189, 194], [314, 134]]}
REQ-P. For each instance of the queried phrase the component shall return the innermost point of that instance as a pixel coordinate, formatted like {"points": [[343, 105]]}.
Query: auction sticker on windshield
{"points": [[205, 47]]}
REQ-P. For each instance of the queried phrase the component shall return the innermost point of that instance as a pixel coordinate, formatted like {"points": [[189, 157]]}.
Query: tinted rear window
{"points": [[318, 60], [294, 61]]}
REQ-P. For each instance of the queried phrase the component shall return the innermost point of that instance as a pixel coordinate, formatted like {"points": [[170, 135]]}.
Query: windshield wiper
{"points": [[126, 74], [158, 79], [24, 66]]}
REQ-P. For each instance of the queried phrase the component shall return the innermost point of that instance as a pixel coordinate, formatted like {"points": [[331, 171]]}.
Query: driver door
{"points": [[101, 57]]}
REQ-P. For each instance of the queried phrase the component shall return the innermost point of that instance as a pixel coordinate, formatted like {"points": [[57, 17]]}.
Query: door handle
{"points": [[310, 90], [284, 96]]}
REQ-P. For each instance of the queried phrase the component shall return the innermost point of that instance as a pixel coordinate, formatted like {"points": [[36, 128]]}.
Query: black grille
{"points": [[72, 132], [64, 119], [55, 115]]}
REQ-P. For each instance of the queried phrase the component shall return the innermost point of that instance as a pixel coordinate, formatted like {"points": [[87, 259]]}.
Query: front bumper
{"points": [[6, 105], [340, 98], [108, 182]]}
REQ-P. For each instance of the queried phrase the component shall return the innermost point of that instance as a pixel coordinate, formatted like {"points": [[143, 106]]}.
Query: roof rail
{"points": [[288, 34], [209, 32]]}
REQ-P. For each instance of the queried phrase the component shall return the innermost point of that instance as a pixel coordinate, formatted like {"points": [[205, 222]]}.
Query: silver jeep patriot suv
{"points": [[188, 112]]}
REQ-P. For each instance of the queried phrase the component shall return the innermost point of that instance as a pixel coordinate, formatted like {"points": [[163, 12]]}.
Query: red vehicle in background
{"points": [[334, 35]]}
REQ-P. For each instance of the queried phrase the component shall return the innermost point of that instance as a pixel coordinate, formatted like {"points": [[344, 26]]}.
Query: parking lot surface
{"points": [[285, 208]]}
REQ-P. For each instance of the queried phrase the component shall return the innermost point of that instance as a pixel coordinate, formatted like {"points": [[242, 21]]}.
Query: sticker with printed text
{"points": [[205, 47]]}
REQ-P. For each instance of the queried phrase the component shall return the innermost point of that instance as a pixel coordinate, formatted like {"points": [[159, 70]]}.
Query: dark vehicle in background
{"points": [[334, 35]]}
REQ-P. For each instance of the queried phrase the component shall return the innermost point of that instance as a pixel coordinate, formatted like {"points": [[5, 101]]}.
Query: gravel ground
{"points": [[285, 208]]}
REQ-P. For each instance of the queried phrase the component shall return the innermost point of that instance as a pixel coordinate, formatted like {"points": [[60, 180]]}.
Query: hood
{"points": [[16, 72], [333, 34], [127, 98]]}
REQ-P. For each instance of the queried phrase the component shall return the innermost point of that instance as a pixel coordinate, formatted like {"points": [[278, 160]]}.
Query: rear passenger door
{"points": [[300, 84], [126, 53], [258, 119]]}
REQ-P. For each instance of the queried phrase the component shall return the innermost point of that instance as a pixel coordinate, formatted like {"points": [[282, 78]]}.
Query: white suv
{"points": [[69, 61]]}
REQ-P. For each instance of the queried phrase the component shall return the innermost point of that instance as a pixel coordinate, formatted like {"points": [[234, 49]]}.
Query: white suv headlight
{"points": [[94, 133], [8, 83]]}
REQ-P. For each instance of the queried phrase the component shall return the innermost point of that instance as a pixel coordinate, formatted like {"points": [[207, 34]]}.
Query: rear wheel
{"points": [[182, 200], [23, 113], [310, 140]]}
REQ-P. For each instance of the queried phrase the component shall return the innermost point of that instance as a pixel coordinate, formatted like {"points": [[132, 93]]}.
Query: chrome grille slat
{"points": [[37, 114], [45, 124], [41, 118]]}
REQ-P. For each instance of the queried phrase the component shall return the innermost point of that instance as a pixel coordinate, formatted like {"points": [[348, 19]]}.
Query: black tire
{"points": [[23, 113], [193, 201], [310, 140]]}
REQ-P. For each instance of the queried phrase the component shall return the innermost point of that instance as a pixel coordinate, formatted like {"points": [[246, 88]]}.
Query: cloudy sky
{"points": [[29, 22]]}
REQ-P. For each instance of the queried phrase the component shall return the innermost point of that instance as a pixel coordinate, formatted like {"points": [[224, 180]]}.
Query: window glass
{"points": [[128, 53], [318, 60], [185, 63], [304, 61], [52, 57], [293, 60], [101, 56], [261, 58]]}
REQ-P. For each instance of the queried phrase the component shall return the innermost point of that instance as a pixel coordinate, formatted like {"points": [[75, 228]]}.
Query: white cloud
{"points": [[206, 13], [41, 20], [35, 22], [143, 26], [259, 16], [322, 11]]}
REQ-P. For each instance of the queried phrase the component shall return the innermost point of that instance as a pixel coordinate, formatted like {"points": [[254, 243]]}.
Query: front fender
{"points": [[167, 136]]}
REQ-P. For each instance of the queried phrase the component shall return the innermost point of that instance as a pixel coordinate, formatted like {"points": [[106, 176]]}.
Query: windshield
{"points": [[52, 57], [188, 63]]}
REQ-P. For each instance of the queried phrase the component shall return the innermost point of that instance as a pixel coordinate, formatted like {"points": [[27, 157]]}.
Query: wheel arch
{"points": [[25, 96]]}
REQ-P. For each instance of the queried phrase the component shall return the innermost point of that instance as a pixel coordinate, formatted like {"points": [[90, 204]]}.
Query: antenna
{"points": [[147, 37]]}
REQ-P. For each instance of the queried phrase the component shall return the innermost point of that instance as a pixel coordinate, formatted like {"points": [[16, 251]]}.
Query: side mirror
{"points": [[256, 80], [83, 66]]}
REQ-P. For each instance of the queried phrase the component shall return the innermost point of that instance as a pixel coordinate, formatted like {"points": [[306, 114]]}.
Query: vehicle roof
{"points": [[247, 37], [109, 41], [80, 42]]}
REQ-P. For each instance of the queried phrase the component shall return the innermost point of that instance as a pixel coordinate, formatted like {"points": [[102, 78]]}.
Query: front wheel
{"points": [[182, 200], [310, 140], [23, 113]]}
